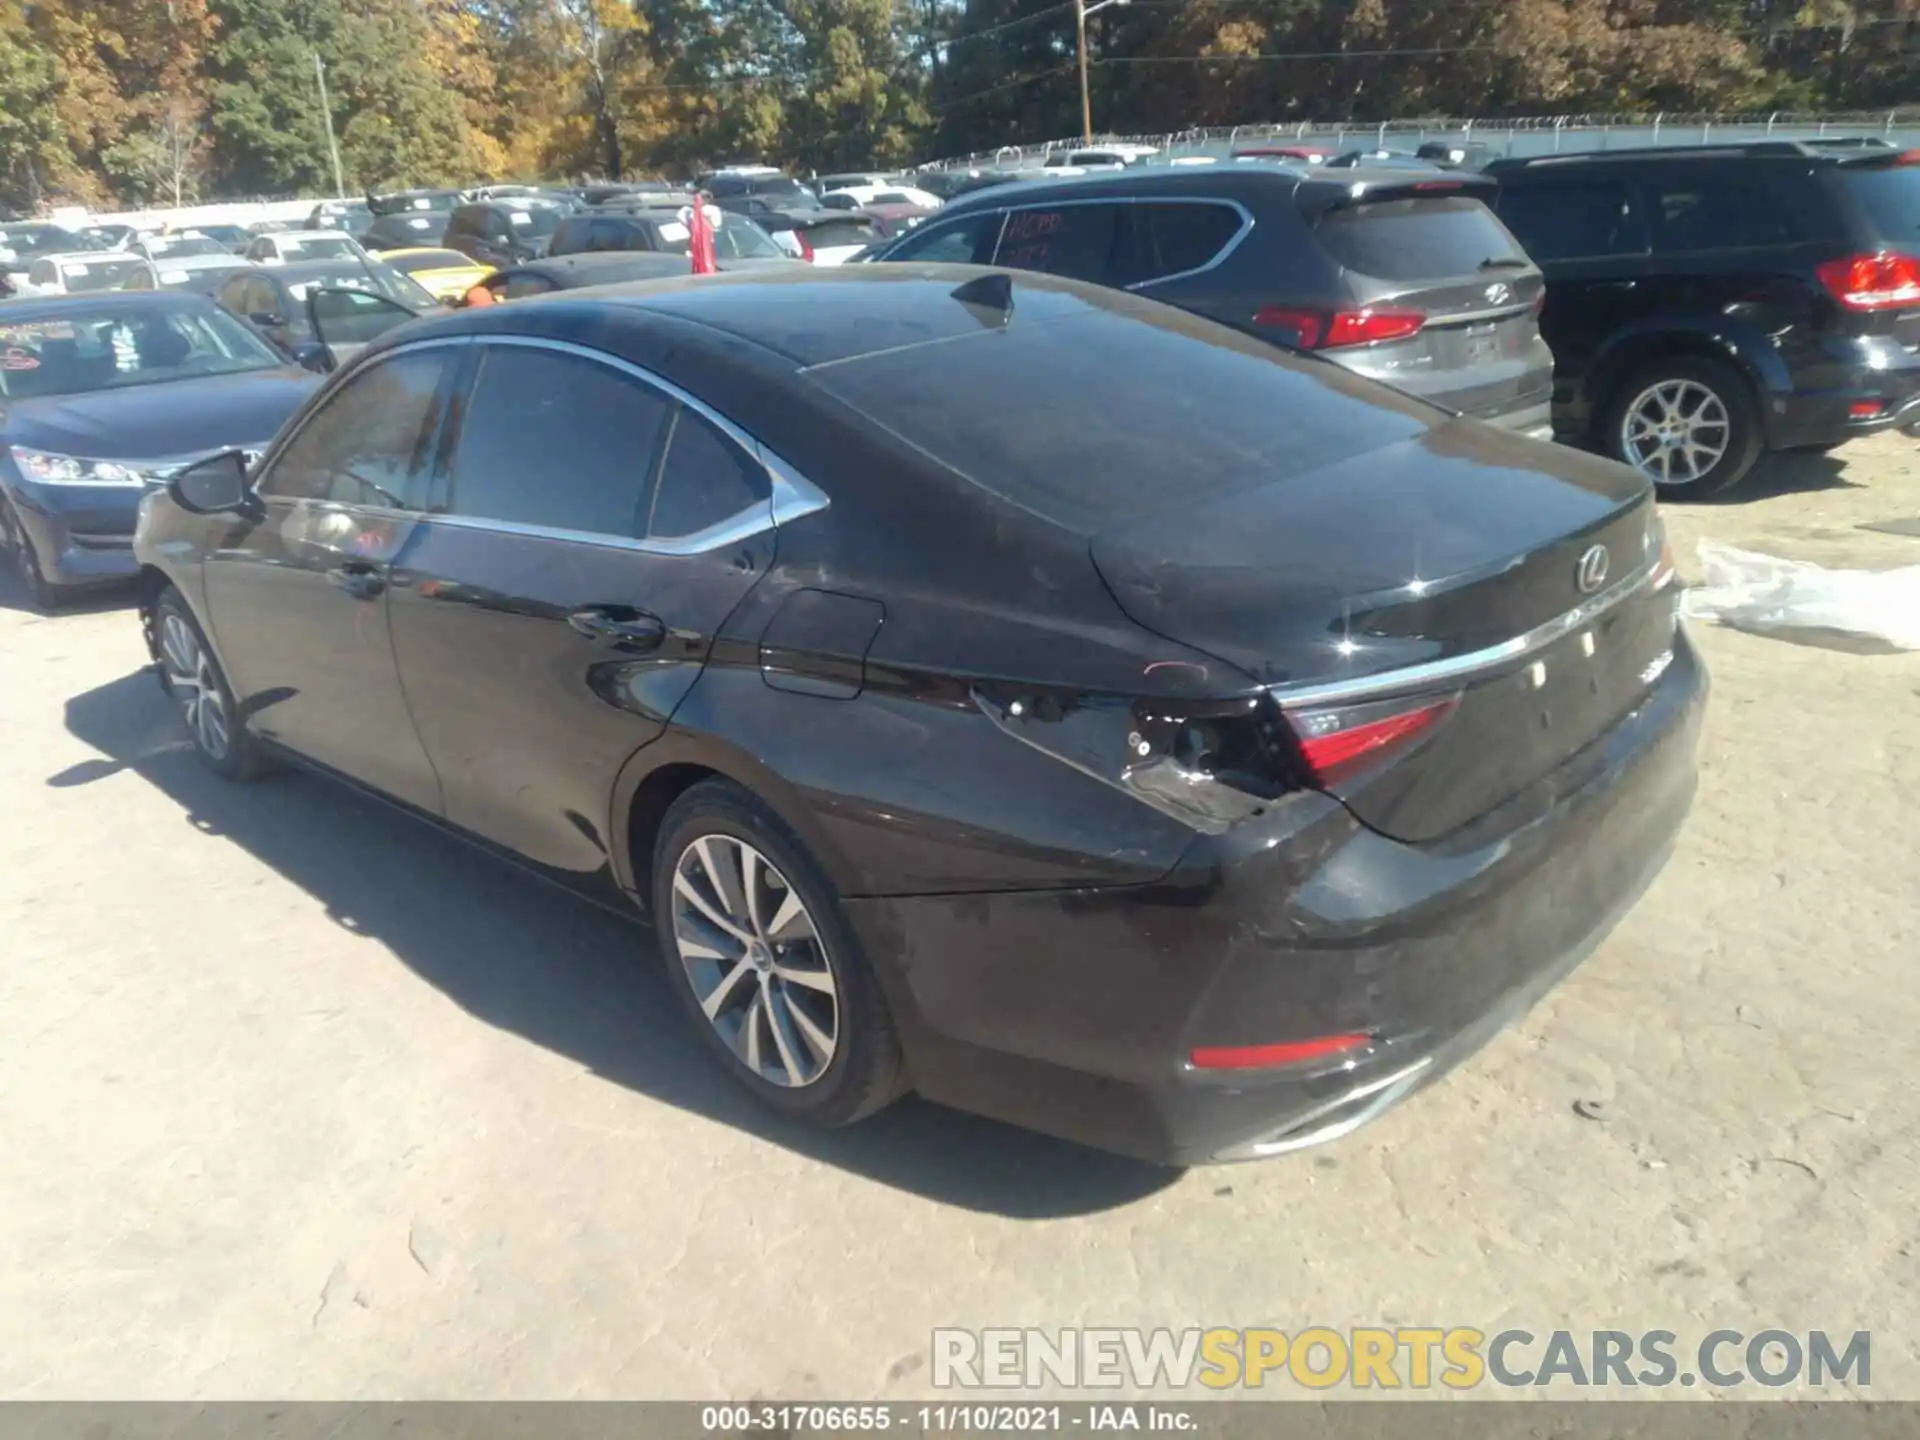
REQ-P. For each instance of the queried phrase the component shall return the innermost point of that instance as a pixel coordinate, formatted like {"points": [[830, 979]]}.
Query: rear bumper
{"points": [[81, 534], [1819, 410], [1073, 1012]]}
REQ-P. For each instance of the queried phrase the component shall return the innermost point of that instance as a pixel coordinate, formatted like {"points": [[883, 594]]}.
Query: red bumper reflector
{"points": [[1293, 1052]]}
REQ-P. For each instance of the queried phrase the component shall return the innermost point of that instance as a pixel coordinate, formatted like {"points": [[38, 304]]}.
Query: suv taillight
{"points": [[1873, 282], [1323, 330]]}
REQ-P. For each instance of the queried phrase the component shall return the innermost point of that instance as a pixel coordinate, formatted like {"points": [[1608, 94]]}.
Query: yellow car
{"points": [[444, 274]]}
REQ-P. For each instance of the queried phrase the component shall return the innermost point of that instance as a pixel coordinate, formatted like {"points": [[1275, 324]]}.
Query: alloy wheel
{"points": [[191, 680], [1675, 431], [755, 961]]}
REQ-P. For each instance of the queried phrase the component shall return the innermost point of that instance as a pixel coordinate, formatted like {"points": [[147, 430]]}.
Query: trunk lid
{"points": [[1438, 547]]}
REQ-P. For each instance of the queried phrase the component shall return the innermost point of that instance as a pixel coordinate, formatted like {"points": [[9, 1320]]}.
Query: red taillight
{"points": [[1873, 282], [1335, 743], [806, 245], [1319, 330], [1259, 1057], [1866, 409], [1427, 187]]}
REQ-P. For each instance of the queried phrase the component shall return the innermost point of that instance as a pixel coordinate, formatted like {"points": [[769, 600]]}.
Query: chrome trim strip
{"points": [[1383, 1092], [791, 496], [1463, 667], [1220, 256]]}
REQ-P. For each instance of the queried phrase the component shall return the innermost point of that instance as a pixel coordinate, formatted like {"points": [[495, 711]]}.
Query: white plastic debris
{"points": [[1761, 592]]}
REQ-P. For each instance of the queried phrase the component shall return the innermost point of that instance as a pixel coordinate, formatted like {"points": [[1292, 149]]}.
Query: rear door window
{"points": [[1575, 222], [1691, 215], [1429, 238], [1081, 242], [555, 441]]}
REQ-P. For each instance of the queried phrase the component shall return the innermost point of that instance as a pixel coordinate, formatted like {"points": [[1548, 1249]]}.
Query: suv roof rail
{"points": [[1831, 151]]}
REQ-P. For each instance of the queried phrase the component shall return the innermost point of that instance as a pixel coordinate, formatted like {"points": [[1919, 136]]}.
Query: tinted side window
{"points": [[1569, 222], [363, 444], [1173, 239], [967, 241], [1690, 215], [617, 235], [707, 478], [518, 287], [1078, 241], [555, 440]]}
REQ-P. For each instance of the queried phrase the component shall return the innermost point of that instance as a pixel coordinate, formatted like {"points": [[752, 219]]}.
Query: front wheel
{"points": [[194, 679], [13, 537], [1691, 426], [767, 966]]}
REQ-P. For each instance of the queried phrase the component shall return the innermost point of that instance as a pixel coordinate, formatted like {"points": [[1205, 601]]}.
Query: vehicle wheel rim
{"points": [[755, 961], [1675, 431], [190, 678]]}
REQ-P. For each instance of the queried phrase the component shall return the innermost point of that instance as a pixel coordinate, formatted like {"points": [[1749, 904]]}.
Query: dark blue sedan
{"points": [[103, 396]]}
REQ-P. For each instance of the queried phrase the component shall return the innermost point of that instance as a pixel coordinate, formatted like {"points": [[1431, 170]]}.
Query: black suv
{"points": [[1707, 304], [504, 232], [1403, 276]]}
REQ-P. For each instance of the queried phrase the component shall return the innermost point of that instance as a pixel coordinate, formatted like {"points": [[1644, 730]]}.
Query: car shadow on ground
{"points": [[533, 959], [1787, 473]]}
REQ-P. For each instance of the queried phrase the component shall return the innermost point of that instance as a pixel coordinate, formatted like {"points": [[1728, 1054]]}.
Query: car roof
{"points": [[405, 250], [599, 267], [331, 266], [309, 234], [29, 310]]}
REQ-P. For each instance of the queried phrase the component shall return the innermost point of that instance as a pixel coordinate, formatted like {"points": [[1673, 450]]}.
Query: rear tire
{"points": [[44, 593], [193, 677], [770, 971], [1690, 425]]}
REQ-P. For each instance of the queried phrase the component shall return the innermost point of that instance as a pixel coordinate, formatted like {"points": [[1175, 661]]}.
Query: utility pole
{"points": [[1081, 10], [326, 114]]}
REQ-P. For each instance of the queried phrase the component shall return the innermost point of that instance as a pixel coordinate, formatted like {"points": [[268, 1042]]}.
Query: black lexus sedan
{"points": [[994, 686], [100, 397]]}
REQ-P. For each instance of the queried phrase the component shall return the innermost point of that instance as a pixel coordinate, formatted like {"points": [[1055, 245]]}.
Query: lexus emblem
{"points": [[1498, 294], [1591, 572]]}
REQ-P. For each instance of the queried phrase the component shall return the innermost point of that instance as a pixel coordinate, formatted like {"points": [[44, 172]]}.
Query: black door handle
{"points": [[629, 629], [359, 579]]}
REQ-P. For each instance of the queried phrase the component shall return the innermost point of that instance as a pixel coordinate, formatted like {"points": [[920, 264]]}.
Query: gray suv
{"points": [[1403, 276]]}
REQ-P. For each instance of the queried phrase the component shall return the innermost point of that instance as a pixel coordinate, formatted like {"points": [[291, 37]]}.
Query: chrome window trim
{"points": [[1469, 665], [1221, 256], [790, 494]]}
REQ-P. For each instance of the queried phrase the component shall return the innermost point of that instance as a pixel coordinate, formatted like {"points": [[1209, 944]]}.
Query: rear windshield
{"points": [[1440, 238], [84, 276], [1180, 411], [536, 222], [850, 231], [1891, 198]]}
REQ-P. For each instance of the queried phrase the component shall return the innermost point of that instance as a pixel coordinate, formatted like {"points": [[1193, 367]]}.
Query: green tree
{"points": [[33, 149]]}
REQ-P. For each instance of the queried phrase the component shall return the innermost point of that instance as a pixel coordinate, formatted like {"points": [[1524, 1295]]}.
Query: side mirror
{"points": [[216, 485], [311, 355]]}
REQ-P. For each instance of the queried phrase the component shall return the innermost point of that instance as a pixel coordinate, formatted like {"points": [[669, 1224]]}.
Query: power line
{"points": [[958, 101]]}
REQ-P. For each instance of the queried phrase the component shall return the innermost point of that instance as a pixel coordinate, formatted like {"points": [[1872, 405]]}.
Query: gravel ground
{"points": [[299, 1099]]}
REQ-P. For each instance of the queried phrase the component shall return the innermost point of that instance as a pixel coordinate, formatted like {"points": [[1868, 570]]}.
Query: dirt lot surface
{"points": [[298, 1099]]}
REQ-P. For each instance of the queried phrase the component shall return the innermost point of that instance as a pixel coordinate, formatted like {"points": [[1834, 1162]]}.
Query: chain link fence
{"points": [[1528, 135]]}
